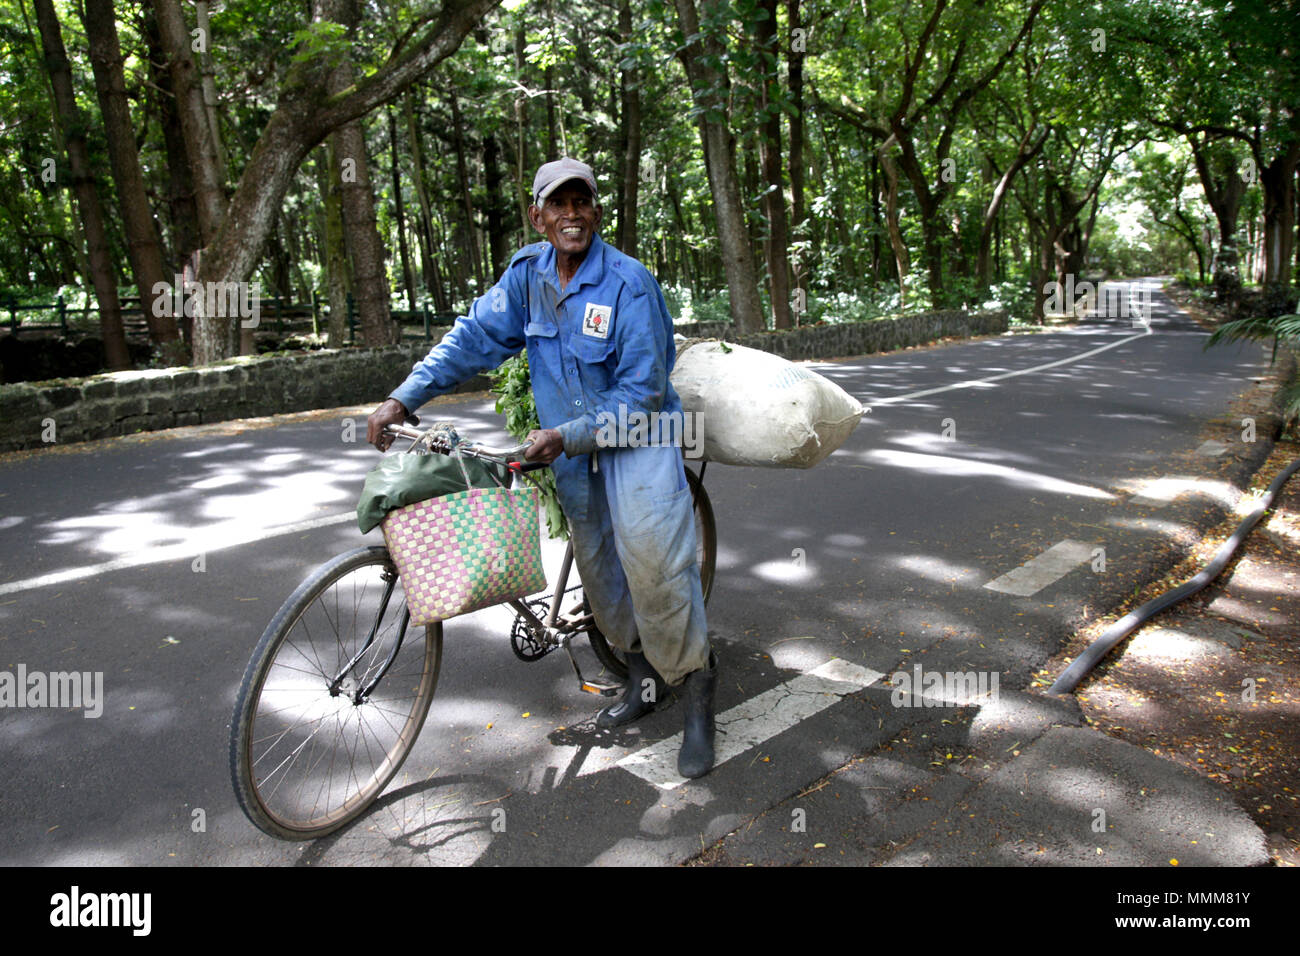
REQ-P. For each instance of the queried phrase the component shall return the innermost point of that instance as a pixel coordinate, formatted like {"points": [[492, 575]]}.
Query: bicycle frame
{"points": [[556, 629], [560, 630]]}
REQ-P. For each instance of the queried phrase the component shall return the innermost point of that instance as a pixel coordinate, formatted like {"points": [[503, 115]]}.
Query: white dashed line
{"points": [[1052, 565], [760, 718], [997, 378]]}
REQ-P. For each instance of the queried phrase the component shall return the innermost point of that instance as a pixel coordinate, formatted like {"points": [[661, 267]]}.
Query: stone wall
{"points": [[856, 338], [121, 403]]}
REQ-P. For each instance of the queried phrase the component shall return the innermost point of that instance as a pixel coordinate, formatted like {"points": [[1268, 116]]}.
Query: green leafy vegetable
{"points": [[513, 388]]}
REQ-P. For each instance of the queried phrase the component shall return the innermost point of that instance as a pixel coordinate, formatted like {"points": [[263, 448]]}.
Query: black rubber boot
{"points": [[696, 757], [633, 704]]}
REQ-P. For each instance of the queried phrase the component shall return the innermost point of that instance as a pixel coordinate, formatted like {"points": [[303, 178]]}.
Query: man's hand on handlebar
{"points": [[544, 445], [391, 412]]}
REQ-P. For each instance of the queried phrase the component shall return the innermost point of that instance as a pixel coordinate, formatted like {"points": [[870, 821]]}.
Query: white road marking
{"points": [[760, 718], [201, 543], [971, 383], [1212, 448], [1052, 565]]}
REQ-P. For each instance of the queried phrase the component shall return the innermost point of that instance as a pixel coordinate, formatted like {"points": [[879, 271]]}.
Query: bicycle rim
{"points": [[306, 760]]}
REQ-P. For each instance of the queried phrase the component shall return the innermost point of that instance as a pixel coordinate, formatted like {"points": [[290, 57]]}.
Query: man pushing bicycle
{"points": [[600, 348]]}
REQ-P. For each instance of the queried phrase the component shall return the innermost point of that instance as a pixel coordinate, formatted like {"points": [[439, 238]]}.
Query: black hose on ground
{"points": [[1092, 655]]}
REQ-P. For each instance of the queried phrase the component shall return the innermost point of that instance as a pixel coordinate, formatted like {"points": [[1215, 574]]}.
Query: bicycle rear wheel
{"points": [[706, 557], [332, 700]]}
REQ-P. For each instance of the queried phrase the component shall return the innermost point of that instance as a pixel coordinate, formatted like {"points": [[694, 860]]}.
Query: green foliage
{"points": [[320, 39], [1283, 330], [513, 388], [1220, 64], [1016, 297]]}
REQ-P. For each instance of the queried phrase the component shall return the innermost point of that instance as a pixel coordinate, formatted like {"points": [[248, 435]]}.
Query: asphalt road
{"points": [[158, 562]]}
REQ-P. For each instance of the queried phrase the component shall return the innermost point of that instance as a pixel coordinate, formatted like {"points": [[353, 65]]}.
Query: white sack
{"points": [[755, 408]]}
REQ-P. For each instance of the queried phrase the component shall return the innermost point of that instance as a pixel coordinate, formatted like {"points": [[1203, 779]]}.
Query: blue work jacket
{"points": [[603, 342]]}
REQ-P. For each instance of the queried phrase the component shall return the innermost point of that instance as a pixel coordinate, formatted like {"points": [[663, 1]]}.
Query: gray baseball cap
{"points": [[553, 175]]}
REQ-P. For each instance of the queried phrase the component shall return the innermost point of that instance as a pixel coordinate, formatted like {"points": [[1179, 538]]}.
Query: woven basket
{"points": [[465, 551]]}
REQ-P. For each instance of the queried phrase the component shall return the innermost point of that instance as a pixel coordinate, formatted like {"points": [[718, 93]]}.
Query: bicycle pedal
{"points": [[603, 688]]}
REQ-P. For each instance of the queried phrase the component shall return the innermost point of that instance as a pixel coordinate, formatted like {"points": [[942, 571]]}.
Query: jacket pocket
{"points": [[538, 328], [589, 348]]}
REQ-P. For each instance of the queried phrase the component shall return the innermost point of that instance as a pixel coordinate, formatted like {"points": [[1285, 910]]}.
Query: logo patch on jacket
{"points": [[596, 320]]}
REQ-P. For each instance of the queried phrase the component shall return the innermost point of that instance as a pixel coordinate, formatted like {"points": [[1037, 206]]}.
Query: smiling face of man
{"points": [[568, 218]]}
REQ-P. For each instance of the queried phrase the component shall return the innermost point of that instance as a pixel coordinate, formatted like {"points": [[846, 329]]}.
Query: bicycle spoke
{"points": [[306, 761]]}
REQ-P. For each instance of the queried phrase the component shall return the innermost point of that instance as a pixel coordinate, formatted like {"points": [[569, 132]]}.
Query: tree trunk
{"points": [[400, 212], [523, 172], [1278, 180], [496, 224], [901, 259], [1024, 152], [794, 73], [425, 232], [187, 84], [369, 276], [143, 248], [182, 210], [83, 186], [630, 141], [304, 115], [1224, 188], [467, 199], [207, 83], [776, 246], [710, 90], [337, 280]]}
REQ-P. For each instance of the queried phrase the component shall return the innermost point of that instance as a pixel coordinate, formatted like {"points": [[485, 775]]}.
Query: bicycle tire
{"points": [[706, 556], [285, 693]]}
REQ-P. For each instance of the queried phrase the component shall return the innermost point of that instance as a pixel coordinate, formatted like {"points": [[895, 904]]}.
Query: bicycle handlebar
{"points": [[473, 449]]}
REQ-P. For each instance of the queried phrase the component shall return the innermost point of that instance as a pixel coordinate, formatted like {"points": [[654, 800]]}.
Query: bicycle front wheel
{"points": [[332, 700], [706, 557]]}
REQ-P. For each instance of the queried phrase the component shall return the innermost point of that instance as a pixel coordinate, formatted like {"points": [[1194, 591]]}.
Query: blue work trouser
{"points": [[635, 552]]}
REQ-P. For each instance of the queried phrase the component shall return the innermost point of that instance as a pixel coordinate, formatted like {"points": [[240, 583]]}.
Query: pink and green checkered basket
{"points": [[466, 551]]}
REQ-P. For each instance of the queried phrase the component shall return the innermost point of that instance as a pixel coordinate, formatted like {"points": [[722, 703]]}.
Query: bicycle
{"points": [[361, 690]]}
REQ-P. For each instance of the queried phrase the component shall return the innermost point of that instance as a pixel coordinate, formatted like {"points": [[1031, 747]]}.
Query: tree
{"points": [[143, 247], [102, 270], [703, 54], [304, 115]]}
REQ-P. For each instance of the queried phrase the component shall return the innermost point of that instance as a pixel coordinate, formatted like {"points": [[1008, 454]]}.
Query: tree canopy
{"points": [[772, 161]]}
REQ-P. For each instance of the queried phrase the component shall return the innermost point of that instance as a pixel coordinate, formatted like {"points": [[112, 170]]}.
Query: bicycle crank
{"points": [[525, 640]]}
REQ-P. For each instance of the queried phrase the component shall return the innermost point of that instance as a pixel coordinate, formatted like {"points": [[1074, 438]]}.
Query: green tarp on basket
{"points": [[405, 479]]}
